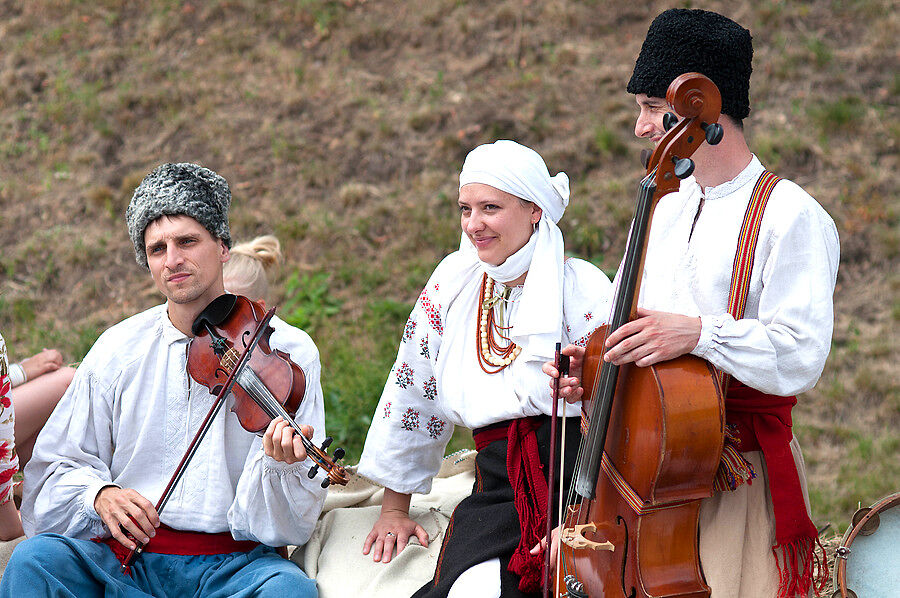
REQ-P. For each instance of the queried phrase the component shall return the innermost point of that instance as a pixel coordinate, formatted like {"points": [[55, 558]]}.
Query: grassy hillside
{"points": [[341, 127]]}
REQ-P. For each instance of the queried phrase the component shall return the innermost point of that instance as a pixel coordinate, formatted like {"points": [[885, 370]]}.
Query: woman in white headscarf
{"points": [[471, 355]]}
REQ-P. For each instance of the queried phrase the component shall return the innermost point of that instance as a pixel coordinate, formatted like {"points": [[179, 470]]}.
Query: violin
{"points": [[269, 384], [230, 354], [655, 434]]}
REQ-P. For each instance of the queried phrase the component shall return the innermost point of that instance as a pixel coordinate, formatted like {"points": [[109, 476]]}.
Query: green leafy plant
{"points": [[309, 303]]}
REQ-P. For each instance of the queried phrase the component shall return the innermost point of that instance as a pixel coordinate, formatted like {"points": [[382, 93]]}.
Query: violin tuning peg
{"points": [[645, 157], [684, 168], [313, 471], [714, 133], [338, 454], [670, 119], [326, 482], [327, 442]]}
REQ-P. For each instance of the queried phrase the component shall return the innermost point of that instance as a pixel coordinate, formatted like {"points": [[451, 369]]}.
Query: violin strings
{"points": [[264, 398]]}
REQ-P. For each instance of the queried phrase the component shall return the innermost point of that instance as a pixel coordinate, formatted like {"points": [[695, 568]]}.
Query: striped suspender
{"points": [[746, 248], [734, 469]]}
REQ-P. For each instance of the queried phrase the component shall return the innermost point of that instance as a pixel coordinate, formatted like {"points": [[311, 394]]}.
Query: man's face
{"points": [[649, 122], [185, 260]]}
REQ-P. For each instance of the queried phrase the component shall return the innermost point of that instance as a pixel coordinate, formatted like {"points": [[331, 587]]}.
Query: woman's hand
{"points": [[393, 528], [569, 386], [554, 547], [48, 360]]}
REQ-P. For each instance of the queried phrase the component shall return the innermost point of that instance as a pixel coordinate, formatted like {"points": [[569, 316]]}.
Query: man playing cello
{"points": [[120, 430], [756, 539]]}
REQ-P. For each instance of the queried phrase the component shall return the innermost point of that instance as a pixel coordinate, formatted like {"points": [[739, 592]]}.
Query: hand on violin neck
{"points": [[281, 442], [125, 512], [653, 337], [393, 529], [569, 386]]}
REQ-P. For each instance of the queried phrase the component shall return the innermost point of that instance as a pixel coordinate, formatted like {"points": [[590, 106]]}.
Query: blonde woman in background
{"points": [[246, 272]]}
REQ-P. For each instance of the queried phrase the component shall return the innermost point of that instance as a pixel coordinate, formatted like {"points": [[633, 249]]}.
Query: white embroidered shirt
{"points": [[437, 382], [780, 345], [127, 419]]}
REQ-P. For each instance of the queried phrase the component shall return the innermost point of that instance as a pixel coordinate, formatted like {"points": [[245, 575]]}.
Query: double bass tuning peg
{"points": [[670, 119], [684, 167], [714, 132], [645, 157]]}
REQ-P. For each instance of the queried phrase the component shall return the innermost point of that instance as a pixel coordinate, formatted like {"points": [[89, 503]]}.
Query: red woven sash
{"points": [[763, 423], [526, 477], [172, 541]]}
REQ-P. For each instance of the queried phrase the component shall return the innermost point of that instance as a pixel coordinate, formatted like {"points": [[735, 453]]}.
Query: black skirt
{"points": [[485, 525]]}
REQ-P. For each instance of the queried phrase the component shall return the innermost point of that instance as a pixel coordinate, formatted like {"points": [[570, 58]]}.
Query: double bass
{"points": [[655, 434]]}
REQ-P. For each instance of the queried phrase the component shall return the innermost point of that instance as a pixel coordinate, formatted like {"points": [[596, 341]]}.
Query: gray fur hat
{"points": [[173, 189]]}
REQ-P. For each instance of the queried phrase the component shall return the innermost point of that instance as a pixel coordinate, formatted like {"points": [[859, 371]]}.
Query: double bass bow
{"points": [[230, 355], [655, 434]]}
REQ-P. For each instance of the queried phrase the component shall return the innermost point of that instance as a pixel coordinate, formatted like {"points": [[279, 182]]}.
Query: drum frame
{"points": [[865, 521]]}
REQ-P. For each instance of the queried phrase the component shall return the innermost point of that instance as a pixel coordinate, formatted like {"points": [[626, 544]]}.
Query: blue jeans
{"points": [[53, 565]]}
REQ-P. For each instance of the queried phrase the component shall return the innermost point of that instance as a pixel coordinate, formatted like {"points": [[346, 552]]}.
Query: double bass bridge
{"points": [[574, 538]]}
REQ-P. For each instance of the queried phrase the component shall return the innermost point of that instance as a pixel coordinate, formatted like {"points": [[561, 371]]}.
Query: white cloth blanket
{"points": [[333, 555]]}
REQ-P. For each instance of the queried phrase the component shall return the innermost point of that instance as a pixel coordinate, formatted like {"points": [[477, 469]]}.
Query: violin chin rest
{"points": [[214, 313]]}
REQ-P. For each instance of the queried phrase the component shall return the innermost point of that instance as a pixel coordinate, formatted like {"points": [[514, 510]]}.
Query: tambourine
{"points": [[868, 562]]}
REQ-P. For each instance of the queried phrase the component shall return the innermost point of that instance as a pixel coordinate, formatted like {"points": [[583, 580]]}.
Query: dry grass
{"points": [[341, 126]]}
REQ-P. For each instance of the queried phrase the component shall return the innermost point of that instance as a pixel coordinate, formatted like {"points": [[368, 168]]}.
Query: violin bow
{"points": [[201, 432], [562, 368]]}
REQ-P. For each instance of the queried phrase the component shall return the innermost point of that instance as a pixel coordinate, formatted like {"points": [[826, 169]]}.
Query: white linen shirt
{"points": [[436, 382], [780, 345], [127, 419]]}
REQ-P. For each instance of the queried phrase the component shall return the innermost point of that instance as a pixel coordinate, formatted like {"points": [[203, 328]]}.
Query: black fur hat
{"points": [[173, 189], [683, 40]]}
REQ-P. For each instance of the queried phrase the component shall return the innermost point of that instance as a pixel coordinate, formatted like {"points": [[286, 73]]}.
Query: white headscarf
{"points": [[520, 171]]}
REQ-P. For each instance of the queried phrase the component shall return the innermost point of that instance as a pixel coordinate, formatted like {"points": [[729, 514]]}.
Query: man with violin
{"points": [[755, 535], [113, 442]]}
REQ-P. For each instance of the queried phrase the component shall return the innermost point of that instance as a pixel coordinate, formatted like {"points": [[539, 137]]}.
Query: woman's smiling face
{"points": [[497, 223]]}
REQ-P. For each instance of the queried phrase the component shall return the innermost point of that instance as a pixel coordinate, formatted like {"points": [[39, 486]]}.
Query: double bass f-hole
{"points": [[621, 521]]}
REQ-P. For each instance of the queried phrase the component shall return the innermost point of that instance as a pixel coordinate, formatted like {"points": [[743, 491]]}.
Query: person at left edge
{"points": [[110, 447]]}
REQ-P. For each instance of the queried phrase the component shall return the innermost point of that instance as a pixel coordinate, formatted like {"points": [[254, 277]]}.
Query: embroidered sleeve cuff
{"points": [[407, 485]]}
